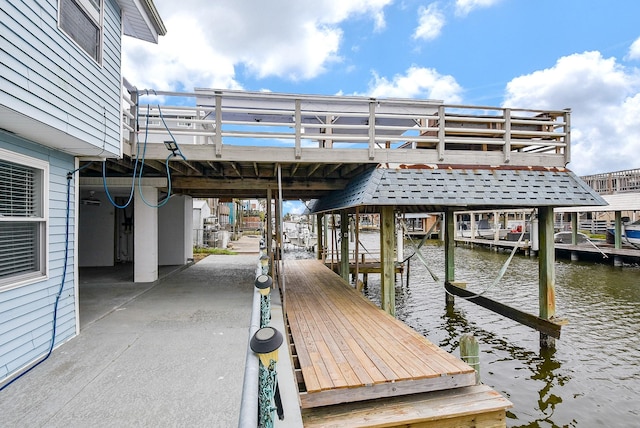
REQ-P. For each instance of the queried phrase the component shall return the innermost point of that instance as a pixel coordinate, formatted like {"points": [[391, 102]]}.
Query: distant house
{"points": [[201, 212], [60, 101]]}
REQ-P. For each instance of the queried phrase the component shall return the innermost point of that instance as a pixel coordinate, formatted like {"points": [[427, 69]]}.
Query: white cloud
{"points": [[605, 101], [634, 50], [417, 82], [430, 22], [178, 61], [463, 7], [293, 207], [283, 38]]}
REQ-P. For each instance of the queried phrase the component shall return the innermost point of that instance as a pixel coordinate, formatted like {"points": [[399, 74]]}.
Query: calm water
{"points": [[591, 379]]}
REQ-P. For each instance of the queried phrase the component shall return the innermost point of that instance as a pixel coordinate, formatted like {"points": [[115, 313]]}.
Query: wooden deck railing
{"points": [[614, 182], [306, 124]]}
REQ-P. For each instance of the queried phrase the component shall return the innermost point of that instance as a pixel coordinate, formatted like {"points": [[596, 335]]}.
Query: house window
{"points": [[23, 219], [82, 21]]}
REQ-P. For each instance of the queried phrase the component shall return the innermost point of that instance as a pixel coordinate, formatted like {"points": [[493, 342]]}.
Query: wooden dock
{"points": [[600, 250], [347, 350], [597, 251], [524, 245]]}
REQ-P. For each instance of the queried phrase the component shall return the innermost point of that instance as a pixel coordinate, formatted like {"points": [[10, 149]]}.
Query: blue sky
{"points": [[578, 54]]}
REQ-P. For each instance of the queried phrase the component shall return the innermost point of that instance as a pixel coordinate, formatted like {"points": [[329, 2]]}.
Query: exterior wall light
{"points": [[172, 146]]}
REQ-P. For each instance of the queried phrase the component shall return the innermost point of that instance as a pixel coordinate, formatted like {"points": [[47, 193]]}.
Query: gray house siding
{"points": [[27, 310], [46, 76]]}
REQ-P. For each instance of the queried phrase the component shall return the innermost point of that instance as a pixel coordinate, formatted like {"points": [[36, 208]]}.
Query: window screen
{"points": [[22, 222], [82, 24]]}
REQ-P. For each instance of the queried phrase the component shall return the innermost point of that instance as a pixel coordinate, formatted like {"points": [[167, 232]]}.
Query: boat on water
{"points": [[630, 232], [565, 237], [483, 229]]}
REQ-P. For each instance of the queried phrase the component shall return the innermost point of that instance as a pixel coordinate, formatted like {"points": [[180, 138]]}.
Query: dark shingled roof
{"points": [[422, 188]]}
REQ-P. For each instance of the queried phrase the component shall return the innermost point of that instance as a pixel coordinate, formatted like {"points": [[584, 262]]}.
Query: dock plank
{"points": [[477, 406], [350, 350]]}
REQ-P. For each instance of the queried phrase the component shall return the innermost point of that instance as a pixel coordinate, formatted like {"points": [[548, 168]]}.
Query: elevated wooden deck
{"points": [[348, 350]]}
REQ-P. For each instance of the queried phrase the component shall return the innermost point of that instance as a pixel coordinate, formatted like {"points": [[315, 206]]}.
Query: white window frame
{"points": [[43, 241], [96, 16]]}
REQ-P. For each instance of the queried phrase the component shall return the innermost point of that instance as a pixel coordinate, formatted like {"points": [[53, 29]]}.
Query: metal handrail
{"points": [[250, 388]]}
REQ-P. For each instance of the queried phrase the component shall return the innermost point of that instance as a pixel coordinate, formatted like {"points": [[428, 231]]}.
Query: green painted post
{"points": [[320, 234], [344, 245], [547, 281], [387, 258], [449, 248], [618, 230]]}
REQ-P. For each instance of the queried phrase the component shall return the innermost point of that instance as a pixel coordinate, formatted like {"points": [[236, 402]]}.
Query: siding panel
{"points": [[26, 327], [64, 87]]}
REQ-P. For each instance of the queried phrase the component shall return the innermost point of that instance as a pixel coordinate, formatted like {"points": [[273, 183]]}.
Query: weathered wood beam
{"points": [[213, 166], [252, 183], [320, 236], [332, 169], [387, 277], [543, 325], [344, 245], [156, 166], [449, 251], [191, 166], [236, 169], [313, 169], [546, 265], [285, 155]]}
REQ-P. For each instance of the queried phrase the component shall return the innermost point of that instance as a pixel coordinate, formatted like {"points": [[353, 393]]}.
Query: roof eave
{"points": [[142, 20]]}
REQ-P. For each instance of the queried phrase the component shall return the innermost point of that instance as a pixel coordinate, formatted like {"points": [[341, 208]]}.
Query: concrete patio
{"points": [[169, 354]]}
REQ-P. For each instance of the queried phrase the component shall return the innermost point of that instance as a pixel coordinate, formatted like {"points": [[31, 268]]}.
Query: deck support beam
{"points": [[387, 277], [344, 245], [449, 247], [320, 237], [546, 260], [618, 230], [268, 239]]}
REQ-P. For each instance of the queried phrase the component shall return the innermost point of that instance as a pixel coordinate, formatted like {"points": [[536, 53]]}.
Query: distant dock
{"points": [[598, 251]]}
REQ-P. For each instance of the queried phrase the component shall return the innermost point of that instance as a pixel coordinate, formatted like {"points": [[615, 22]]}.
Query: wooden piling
{"points": [[387, 238], [470, 353], [449, 247], [546, 286], [344, 245]]}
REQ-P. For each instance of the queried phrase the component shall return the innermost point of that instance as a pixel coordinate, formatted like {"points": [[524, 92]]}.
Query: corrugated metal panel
{"points": [[426, 189], [53, 92], [27, 311]]}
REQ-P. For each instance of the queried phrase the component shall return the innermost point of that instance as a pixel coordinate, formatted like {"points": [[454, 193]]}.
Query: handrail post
{"points": [[507, 135], [298, 127], [567, 136], [217, 137], [372, 128], [133, 122], [250, 387], [441, 133]]}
